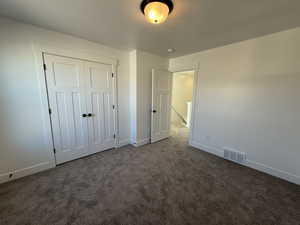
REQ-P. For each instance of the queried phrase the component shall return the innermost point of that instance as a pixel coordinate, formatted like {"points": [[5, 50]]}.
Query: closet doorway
{"points": [[81, 97]]}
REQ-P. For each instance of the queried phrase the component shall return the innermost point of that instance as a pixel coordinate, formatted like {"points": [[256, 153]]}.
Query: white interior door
{"points": [[100, 104], [81, 98], [67, 98], [161, 104]]}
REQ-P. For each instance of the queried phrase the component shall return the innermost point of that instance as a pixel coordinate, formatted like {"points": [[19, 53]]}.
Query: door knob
{"points": [[90, 115], [84, 115], [154, 111]]}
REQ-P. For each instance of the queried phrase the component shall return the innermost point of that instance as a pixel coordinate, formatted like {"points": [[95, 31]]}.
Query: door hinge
{"points": [[54, 150], [45, 67], [50, 111], [114, 136]]}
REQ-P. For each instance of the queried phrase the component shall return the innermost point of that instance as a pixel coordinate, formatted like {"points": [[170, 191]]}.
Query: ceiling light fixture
{"points": [[156, 11], [171, 50]]}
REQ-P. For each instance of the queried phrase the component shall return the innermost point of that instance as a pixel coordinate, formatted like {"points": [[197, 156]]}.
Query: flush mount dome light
{"points": [[156, 11]]}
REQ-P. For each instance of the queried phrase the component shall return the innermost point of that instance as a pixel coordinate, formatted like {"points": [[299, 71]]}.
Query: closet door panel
{"points": [[100, 106], [65, 78]]}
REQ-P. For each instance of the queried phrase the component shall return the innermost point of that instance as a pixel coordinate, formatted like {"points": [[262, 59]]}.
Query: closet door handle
{"points": [[84, 115], [90, 115], [154, 111]]}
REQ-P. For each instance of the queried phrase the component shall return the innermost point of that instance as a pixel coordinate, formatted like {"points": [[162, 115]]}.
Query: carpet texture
{"points": [[166, 183]]}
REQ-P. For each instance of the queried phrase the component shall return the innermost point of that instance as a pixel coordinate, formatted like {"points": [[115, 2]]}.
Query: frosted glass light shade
{"points": [[156, 12]]}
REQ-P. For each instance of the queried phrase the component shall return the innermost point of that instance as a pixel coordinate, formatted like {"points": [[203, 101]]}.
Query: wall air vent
{"points": [[235, 156]]}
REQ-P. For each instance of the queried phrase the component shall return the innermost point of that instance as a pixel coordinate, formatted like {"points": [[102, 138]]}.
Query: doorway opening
{"points": [[182, 97]]}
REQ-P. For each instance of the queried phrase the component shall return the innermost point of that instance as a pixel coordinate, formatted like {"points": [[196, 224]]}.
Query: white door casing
{"points": [[161, 104], [77, 87]]}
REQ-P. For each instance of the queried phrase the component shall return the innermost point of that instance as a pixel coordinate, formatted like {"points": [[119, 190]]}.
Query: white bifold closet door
{"points": [[99, 91], [161, 104], [81, 102]]}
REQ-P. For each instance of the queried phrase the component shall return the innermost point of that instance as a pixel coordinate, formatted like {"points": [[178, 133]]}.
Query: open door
{"points": [[161, 104]]}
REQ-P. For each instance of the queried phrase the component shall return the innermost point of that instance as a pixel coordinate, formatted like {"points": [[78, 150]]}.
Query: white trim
{"points": [[159, 138], [254, 165], [39, 63], [26, 171], [206, 148], [142, 142], [196, 70], [116, 104], [274, 172], [194, 101], [89, 56], [124, 143]]}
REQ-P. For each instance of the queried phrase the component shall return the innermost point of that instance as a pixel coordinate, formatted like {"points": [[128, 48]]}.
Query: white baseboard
{"points": [[206, 148], [124, 143], [254, 165], [26, 171], [274, 172], [139, 143]]}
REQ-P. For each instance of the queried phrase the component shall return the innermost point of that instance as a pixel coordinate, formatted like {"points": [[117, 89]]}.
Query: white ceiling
{"points": [[194, 25]]}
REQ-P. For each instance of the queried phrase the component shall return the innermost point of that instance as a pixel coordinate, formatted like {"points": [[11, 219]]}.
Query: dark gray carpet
{"points": [[166, 183]]}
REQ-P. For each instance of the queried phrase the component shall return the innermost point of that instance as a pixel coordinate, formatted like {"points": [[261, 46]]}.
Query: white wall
{"points": [[133, 96], [181, 94], [141, 79], [248, 99], [21, 127]]}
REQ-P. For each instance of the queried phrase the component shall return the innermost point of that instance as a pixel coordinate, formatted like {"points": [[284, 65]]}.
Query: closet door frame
{"points": [[39, 51]]}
